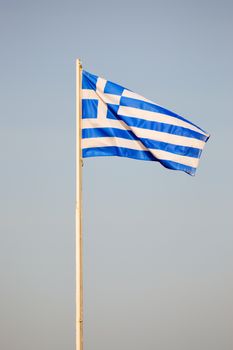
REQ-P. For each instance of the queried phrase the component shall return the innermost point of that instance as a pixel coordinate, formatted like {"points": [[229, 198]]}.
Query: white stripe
{"points": [[89, 94], [113, 141], [144, 133], [132, 144], [102, 107], [157, 117], [110, 98], [102, 111], [99, 95], [100, 84], [130, 94], [109, 123]]}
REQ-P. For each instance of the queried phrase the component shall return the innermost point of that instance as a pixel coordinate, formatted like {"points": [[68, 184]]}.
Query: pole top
{"points": [[79, 63]]}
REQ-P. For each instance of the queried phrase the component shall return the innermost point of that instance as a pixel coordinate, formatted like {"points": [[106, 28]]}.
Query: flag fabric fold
{"points": [[119, 122]]}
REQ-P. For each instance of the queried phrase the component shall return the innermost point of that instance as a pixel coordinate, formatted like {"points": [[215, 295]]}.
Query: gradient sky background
{"points": [[158, 244]]}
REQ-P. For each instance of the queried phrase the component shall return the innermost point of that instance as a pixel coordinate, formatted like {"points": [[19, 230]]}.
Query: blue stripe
{"points": [[112, 88], [130, 102], [89, 108], [148, 143], [112, 110], [162, 127], [130, 153], [89, 81]]}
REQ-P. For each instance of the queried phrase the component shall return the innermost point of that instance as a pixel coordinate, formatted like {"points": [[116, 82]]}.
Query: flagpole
{"points": [[78, 214]]}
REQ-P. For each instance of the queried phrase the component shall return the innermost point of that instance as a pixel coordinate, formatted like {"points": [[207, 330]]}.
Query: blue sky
{"points": [[157, 243]]}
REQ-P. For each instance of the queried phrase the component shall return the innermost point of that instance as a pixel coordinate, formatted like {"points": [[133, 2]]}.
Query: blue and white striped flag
{"points": [[118, 122]]}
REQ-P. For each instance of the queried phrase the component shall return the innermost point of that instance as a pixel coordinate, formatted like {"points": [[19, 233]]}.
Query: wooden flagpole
{"points": [[78, 214]]}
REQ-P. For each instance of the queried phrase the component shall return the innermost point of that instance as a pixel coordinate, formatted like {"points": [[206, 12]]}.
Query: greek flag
{"points": [[119, 122]]}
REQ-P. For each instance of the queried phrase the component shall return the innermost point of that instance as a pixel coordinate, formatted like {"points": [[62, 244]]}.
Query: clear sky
{"points": [[158, 257]]}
